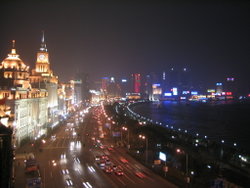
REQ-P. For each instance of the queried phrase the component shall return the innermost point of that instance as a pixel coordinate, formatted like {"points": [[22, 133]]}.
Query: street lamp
{"points": [[178, 151], [146, 152], [126, 129]]}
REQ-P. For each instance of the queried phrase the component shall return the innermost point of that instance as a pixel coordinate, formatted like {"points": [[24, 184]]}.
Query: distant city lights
{"points": [[175, 91]]}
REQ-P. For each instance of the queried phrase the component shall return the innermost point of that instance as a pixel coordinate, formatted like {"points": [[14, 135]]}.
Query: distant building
{"points": [[84, 78], [124, 85], [136, 81], [219, 87], [230, 85], [77, 91], [157, 91], [113, 88], [105, 82]]}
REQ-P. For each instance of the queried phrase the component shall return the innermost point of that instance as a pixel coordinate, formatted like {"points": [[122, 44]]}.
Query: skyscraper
{"points": [[136, 81]]}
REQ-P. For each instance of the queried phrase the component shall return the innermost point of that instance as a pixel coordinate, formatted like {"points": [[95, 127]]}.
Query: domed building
{"points": [[14, 72], [28, 106]]}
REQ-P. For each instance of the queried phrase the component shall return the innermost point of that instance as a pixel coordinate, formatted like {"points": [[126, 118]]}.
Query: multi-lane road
{"points": [[69, 159]]}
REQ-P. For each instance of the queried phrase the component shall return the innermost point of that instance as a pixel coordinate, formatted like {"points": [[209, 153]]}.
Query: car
{"points": [[108, 162], [140, 174], [123, 160], [108, 169], [65, 171], [105, 157], [114, 167], [102, 164], [69, 182], [97, 158], [119, 172], [110, 149]]}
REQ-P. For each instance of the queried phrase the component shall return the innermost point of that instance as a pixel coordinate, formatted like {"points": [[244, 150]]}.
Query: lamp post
{"points": [[186, 158], [126, 129], [146, 151]]}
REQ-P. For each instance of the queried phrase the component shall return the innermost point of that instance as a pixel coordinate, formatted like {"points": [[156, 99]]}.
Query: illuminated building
{"points": [[231, 86], [148, 87], [77, 93], [62, 107], [124, 85], [104, 86], [157, 91], [67, 94], [136, 80], [96, 96], [27, 105], [113, 89], [84, 78], [219, 87], [42, 77]]}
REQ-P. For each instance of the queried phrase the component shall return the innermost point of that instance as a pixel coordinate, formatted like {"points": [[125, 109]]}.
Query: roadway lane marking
{"points": [[55, 148], [121, 181], [63, 142], [129, 178]]}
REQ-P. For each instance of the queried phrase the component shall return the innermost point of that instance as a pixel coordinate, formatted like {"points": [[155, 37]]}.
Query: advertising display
{"points": [[194, 93], [211, 90], [162, 156], [167, 94], [175, 91]]}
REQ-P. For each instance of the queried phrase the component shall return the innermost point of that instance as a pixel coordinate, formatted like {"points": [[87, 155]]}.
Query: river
{"points": [[228, 121]]}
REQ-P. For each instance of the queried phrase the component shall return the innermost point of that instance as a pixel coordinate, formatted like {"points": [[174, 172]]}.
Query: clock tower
{"points": [[42, 60]]}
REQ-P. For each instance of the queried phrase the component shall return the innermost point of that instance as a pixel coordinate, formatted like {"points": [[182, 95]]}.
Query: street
{"points": [[68, 158]]}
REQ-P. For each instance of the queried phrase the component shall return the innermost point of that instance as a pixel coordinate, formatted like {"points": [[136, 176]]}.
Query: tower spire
{"points": [[43, 44], [13, 43], [13, 50], [42, 36]]}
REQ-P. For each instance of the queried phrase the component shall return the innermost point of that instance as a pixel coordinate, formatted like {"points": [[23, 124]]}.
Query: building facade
{"points": [[26, 104], [42, 77]]}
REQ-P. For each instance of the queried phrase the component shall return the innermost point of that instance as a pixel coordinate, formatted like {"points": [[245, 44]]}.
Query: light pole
{"points": [[126, 129], [186, 157], [146, 151]]}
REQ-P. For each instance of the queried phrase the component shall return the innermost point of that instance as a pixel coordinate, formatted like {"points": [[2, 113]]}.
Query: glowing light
{"points": [[175, 91]]}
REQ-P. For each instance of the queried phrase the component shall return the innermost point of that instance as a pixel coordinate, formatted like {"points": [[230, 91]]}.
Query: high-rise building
{"points": [[84, 78], [230, 86], [105, 82], [124, 85], [136, 81], [77, 92], [219, 87]]}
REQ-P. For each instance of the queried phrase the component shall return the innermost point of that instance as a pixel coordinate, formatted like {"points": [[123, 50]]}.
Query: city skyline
{"points": [[211, 39], [124, 94]]}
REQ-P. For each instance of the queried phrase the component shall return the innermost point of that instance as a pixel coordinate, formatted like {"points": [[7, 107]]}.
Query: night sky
{"points": [[117, 38]]}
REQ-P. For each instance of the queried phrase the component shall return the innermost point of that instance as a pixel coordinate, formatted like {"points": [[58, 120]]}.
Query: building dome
{"points": [[13, 61]]}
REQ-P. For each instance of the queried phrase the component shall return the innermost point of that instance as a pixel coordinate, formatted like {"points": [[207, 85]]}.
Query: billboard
{"points": [[194, 93], [167, 94], [162, 156], [211, 90], [175, 91]]}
